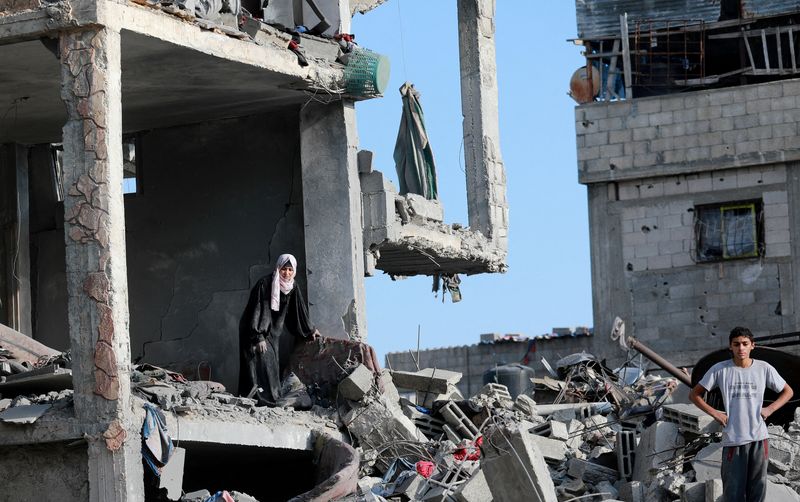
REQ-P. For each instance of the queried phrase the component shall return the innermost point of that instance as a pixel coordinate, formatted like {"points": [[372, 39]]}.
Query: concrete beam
{"points": [[97, 283], [486, 178], [332, 215]]}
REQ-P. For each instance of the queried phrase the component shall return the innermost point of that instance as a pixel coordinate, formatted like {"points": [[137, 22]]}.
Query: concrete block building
{"points": [[155, 161], [688, 146]]}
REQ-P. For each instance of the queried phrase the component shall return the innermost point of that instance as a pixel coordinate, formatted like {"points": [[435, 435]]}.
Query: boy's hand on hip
{"points": [[722, 418], [766, 412], [261, 347]]}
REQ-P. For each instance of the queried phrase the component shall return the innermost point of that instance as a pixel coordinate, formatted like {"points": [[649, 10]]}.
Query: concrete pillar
{"points": [[610, 295], [15, 236], [486, 176], [332, 216], [97, 285]]}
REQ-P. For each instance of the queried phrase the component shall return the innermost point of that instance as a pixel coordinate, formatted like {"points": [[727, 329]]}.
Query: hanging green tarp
{"points": [[413, 157]]}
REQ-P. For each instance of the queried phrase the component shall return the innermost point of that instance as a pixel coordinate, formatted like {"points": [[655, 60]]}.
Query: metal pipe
{"points": [[666, 365]]}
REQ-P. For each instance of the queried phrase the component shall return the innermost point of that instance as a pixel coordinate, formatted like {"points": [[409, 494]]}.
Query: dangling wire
{"points": [[402, 41]]}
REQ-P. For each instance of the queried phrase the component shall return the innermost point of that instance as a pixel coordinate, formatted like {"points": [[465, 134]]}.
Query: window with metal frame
{"points": [[729, 231]]}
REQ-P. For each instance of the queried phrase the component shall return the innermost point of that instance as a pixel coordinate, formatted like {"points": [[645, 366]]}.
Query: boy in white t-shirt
{"points": [[742, 381]]}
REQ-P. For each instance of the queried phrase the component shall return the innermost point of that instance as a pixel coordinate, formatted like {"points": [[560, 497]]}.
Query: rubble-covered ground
{"points": [[602, 435]]}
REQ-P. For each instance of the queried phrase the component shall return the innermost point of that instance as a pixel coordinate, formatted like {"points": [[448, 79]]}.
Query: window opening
{"points": [[729, 231]]}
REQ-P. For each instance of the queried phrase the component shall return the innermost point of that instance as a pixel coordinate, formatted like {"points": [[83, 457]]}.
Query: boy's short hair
{"points": [[740, 331]]}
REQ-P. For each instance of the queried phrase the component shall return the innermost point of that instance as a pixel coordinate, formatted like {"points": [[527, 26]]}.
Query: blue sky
{"points": [[548, 283]]}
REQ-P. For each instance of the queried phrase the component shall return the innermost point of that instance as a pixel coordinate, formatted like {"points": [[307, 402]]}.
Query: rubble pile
{"points": [[608, 436]]}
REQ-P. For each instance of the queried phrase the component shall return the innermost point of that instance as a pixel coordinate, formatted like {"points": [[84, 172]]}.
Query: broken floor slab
{"points": [[433, 380]]}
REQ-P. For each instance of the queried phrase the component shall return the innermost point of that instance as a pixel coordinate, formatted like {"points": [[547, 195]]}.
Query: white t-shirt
{"points": [[743, 395]]}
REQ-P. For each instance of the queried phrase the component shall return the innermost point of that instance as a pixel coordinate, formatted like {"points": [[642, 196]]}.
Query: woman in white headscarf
{"points": [[275, 315]]}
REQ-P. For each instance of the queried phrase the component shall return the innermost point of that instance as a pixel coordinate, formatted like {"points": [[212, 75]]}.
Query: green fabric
{"points": [[413, 157]]}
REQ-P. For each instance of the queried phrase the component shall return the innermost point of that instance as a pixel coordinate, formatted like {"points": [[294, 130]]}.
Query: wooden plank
{"points": [[612, 72], [780, 55], [764, 46], [749, 52], [626, 55], [791, 49]]}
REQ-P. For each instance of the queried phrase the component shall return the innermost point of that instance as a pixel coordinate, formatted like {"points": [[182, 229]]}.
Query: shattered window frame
{"points": [[729, 231]]}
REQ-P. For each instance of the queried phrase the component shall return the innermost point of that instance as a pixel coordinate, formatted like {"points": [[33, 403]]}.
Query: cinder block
{"points": [[657, 444], [626, 445], [459, 422], [357, 383], [632, 491], [591, 473]]}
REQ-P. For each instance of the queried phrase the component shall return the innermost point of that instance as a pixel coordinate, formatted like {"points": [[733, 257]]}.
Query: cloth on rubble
{"points": [[157, 446], [472, 451], [425, 468], [277, 328], [221, 496]]}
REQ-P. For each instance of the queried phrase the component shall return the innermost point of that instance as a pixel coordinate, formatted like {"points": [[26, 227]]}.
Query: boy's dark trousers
{"points": [[744, 472]]}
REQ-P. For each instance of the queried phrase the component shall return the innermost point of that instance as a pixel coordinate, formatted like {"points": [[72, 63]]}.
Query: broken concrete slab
{"points": [[632, 491], [357, 383], [607, 489], [427, 399], [552, 449], [378, 423], [708, 462], [658, 443], [525, 471], [475, 489], [591, 473], [713, 491], [781, 493], [26, 414], [433, 380], [37, 381], [694, 492], [171, 478]]}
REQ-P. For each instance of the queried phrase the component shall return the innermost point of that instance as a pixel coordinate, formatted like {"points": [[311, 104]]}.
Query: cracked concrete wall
{"points": [[219, 202], [332, 214], [60, 468]]}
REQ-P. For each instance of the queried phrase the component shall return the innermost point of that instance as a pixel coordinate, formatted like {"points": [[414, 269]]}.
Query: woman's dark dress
{"points": [[279, 329]]}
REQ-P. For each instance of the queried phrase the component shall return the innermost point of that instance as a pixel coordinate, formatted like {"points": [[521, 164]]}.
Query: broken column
{"points": [[486, 178], [332, 216], [95, 266]]}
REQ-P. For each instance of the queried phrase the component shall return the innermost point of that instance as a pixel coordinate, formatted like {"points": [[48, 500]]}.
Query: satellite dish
{"points": [[582, 88]]}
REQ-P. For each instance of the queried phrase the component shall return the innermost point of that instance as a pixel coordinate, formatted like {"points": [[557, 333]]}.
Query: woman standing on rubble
{"points": [[275, 314]]}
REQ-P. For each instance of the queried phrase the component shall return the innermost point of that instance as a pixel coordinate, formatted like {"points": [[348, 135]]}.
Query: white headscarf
{"points": [[279, 285]]}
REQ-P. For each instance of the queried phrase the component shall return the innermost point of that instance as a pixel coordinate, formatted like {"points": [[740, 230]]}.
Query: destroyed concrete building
{"points": [[687, 142], [157, 156]]}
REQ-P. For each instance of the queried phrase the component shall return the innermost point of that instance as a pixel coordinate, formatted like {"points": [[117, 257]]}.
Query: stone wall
{"points": [[218, 202], [648, 164], [474, 360], [688, 132]]}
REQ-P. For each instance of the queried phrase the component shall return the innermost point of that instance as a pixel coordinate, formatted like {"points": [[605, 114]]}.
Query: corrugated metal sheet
{"points": [[759, 8], [597, 18]]}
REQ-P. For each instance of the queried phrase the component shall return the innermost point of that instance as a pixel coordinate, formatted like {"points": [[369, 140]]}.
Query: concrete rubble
{"points": [[381, 437]]}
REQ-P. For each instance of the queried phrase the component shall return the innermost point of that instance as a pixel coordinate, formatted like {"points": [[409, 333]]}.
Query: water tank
{"points": [[516, 377], [785, 363]]}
